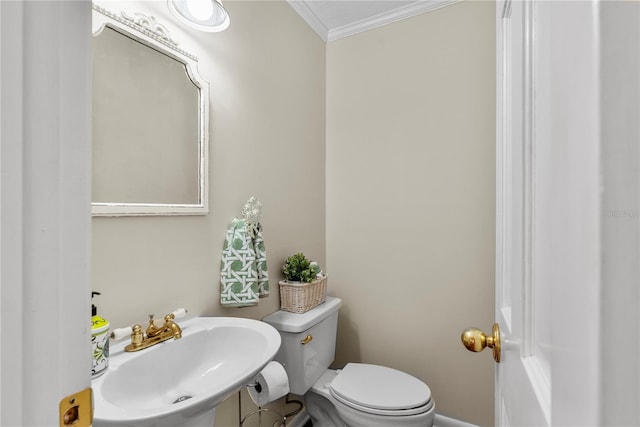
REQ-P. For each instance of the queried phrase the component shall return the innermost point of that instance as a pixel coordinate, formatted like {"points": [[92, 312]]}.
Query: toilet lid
{"points": [[379, 388]]}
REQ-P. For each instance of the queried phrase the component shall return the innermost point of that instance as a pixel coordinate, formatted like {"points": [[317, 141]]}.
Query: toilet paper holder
{"points": [[266, 387], [281, 419], [256, 385], [279, 422]]}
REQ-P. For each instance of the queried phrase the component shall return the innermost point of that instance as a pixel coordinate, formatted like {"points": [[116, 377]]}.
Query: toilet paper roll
{"points": [[270, 384]]}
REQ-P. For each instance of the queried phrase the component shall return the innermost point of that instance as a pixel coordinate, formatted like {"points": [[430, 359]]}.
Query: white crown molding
{"points": [[387, 18], [310, 18], [331, 34]]}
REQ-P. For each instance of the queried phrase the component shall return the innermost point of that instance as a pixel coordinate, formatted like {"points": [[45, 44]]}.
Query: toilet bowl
{"points": [[359, 395], [363, 395]]}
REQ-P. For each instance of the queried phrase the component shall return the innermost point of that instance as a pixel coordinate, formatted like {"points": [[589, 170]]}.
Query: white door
{"points": [[44, 212], [548, 213]]}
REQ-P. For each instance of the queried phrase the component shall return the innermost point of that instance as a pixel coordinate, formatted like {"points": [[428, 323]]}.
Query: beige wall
{"points": [[267, 74], [410, 199]]}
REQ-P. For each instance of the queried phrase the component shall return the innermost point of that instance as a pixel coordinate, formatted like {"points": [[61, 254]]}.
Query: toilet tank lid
{"points": [[285, 321]]}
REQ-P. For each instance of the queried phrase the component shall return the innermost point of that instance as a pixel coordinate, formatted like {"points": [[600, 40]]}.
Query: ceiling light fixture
{"points": [[203, 15]]}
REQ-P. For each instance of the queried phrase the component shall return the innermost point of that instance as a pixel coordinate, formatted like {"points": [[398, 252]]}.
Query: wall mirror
{"points": [[150, 120]]}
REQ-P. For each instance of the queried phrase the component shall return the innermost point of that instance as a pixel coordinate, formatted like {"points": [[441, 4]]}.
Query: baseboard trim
{"points": [[441, 421]]}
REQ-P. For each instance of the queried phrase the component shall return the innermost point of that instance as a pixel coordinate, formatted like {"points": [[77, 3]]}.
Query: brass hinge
{"points": [[77, 409]]}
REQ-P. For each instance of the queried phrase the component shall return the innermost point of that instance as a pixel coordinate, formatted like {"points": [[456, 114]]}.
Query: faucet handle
{"points": [[136, 336], [151, 323]]}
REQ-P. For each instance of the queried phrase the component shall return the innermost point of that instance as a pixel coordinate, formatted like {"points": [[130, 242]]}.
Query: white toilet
{"points": [[359, 395]]}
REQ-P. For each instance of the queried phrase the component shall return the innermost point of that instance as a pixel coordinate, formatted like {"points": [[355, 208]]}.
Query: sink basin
{"points": [[180, 382]]}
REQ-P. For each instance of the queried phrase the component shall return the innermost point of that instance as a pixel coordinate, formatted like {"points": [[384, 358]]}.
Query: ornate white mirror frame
{"points": [[146, 30]]}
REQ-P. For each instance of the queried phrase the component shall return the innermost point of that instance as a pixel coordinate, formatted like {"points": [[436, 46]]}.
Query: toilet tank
{"points": [[308, 342]]}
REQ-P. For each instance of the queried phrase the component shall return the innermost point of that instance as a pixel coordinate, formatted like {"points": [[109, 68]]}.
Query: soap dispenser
{"points": [[99, 341]]}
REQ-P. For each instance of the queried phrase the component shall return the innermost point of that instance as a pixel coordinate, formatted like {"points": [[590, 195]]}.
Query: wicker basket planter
{"points": [[299, 297]]}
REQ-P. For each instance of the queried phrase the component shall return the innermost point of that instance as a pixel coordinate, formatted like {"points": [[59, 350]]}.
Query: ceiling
{"points": [[335, 19]]}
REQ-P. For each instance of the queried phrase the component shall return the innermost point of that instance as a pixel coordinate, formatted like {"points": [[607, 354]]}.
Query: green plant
{"points": [[297, 268]]}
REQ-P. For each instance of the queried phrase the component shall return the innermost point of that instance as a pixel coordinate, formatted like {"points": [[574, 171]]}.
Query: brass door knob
{"points": [[475, 340]]}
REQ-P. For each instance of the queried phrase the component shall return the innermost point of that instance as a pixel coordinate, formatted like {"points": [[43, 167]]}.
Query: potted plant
{"points": [[297, 268], [305, 285]]}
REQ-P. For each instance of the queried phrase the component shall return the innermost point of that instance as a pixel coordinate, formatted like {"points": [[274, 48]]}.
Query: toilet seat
{"points": [[387, 413], [380, 390]]}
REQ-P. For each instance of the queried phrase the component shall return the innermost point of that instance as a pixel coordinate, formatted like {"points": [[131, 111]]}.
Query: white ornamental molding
{"points": [[147, 25]]}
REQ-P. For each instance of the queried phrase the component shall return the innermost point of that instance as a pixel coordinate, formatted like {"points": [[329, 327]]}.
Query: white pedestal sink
{"points": [[180, 382]]}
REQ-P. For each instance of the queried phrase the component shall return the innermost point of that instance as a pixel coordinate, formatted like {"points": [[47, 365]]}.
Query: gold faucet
{"points": [[154, 334]]}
